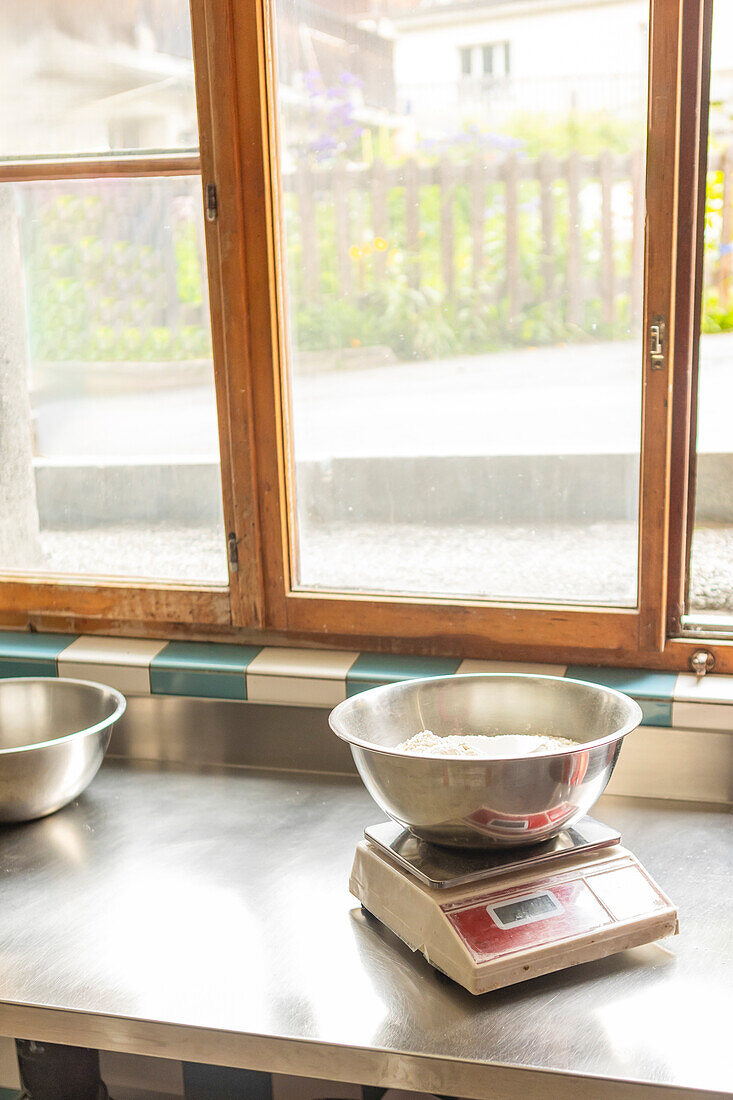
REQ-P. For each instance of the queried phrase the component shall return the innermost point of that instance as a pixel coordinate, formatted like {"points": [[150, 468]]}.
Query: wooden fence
{"points": [[554, 230], [565, 234]]}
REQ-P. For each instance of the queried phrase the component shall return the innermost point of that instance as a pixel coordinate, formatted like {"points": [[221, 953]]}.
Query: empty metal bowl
{"points": [[472, 802], [53, 736]]}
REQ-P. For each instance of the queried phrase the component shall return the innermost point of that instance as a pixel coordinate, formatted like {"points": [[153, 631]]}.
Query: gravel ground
{"points": [[573, 562], [162, 551], [594, 562], [711, 569]]}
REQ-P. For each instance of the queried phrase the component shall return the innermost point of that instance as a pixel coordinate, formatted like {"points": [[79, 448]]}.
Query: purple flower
{"points": [[350, 80]]}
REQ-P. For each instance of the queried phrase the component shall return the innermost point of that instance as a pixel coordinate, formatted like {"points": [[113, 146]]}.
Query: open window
{"points": [[471, 422], [704, 598], [454, 386], [109, 438]]}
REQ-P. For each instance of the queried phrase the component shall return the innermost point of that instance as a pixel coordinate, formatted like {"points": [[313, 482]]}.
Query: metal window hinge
{"points": [[212, 202], [656, 343], [233, 552]]}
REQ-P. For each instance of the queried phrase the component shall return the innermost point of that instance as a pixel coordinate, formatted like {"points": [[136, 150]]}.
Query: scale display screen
{"points": [[556, 909], [524, 910]]}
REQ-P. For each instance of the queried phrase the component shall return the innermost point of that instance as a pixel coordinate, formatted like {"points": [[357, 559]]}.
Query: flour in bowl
{"points": [[426, 743]]}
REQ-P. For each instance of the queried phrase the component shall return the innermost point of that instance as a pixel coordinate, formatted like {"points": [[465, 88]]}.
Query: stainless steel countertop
{"points": [[205, 914]]}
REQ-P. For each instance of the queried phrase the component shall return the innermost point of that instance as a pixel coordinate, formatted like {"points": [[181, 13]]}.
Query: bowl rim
{"points": [[120, 707], [610, 738]]}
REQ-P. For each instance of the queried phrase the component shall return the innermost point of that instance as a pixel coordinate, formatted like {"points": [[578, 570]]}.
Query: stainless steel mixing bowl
{"points": [[53, 736], [478, 803]]}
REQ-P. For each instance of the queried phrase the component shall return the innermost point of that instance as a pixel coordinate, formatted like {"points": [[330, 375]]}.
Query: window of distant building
{"points": [[488, 62]]}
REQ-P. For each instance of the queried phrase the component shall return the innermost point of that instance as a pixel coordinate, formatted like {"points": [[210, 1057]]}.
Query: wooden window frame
{"points": [[233, 58], [102, 604], [478, 628]]}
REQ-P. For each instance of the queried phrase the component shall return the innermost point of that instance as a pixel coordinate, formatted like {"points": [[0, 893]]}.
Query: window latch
{"points": [[656, 344], [702, 662], [232, 552], [212, 203]]}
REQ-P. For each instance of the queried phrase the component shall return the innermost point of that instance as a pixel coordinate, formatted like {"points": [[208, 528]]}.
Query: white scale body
{"points": [[491, 920]]}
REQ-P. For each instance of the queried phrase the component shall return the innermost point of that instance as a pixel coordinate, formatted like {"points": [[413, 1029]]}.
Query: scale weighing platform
{"points": [[492, 918]]}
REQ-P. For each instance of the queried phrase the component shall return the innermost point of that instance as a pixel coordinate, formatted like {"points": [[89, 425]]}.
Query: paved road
{"points": [[577, 399]]}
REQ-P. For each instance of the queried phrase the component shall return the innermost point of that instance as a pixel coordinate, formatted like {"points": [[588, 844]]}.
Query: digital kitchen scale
{"points": [[492, 918]]}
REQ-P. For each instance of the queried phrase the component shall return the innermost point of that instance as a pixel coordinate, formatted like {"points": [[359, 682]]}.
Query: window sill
{"points": [[323, 678]]}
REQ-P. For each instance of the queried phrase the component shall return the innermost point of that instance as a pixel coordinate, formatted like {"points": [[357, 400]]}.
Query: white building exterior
{"points": [[72, 86], [478, 60]]}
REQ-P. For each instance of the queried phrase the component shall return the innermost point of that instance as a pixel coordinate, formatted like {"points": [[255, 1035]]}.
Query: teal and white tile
{"points": [[9, 1073], [122, 663], [688, 764], [703, 716], [322, 678], [212, 670], [26, 653], [299, 677], [703, 702], [376, 669], [712, 688], [140, 1076], [205, 1082], [305, 1088], [472, 666], [652, 690]]}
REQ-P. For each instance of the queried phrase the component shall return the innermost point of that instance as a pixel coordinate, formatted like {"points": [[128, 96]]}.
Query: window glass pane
{"points": [[78, 76], [464, 285], [711, 566], [108, 437]]}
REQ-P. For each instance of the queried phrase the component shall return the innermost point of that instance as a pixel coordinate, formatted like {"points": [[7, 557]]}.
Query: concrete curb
{"points": [[430, 490]]}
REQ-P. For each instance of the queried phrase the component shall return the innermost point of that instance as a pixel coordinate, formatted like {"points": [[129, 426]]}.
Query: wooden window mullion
{"points": [[85, 168], [690, 252], [662, 200]]}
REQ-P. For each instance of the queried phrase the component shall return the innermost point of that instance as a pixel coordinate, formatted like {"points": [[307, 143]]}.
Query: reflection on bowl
{"points": [[471, 801], [54, 733]]}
